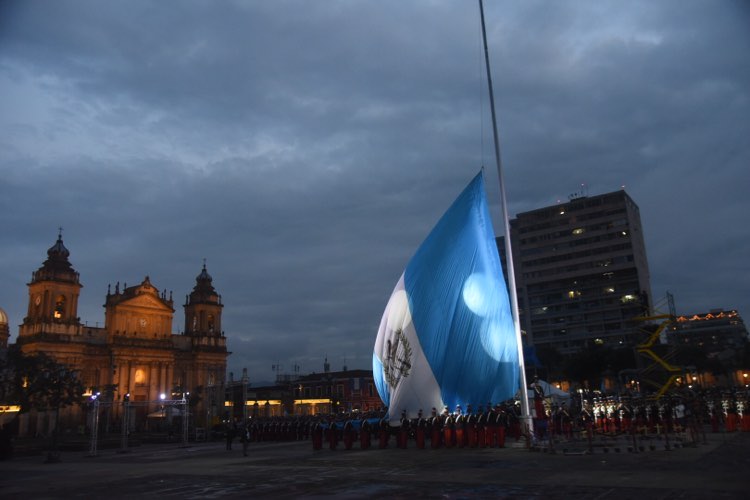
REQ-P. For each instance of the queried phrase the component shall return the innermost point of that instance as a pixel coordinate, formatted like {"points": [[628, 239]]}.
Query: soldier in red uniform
{"points": [[349, 434], [513, 420], [403, 432], [481, 424], [490, 427], [364, 434], [566, 421], [384, 433], [460, 420], [317, 436], [333, 434], [471, 428], [732, 418], [501, 417], [436, 429], [540, 419], [420, 430], [449, 428]]}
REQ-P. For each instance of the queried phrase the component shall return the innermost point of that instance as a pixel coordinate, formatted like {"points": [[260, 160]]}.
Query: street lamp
{"points": [[185, 418], [125, 423]]}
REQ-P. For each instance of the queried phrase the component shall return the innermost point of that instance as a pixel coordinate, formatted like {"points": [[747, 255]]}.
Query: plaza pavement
{"points": [[718, 468]]}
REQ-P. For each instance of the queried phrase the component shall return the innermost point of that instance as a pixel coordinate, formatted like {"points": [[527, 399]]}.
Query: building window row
{"points": [[552, 218], [560, 246]]}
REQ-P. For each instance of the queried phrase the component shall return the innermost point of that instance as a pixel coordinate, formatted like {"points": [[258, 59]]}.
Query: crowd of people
{"points": [[492, 426]]}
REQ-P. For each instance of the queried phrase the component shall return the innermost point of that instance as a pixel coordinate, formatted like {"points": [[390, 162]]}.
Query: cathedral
{"points": [[135, 357]]}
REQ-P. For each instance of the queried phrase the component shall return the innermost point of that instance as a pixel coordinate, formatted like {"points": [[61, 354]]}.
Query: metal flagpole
{"points": [[526, 413]]}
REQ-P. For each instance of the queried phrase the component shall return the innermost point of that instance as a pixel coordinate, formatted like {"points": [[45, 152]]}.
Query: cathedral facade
{"points": [[135, 358]]}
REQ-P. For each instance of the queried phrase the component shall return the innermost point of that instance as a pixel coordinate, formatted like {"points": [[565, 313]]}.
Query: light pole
{"points": [[244, 396], [94, 426], [186, 418], [125, 423]]}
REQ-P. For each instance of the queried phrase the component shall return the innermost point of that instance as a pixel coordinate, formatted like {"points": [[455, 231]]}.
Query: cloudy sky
{"points": [[305, 148]]}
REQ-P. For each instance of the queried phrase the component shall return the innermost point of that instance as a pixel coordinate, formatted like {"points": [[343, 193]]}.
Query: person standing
{"points": [[245, 438], [540, 420], [364, 433], [349, 434], [230, 431], [420, 426], [436, 430], [490, 429], [481, 424], [471, 428], [403, 431], [449, 428], [384, 433], [317, 435], [501, 417], [460, 423], [333, 437], [566, 421]]}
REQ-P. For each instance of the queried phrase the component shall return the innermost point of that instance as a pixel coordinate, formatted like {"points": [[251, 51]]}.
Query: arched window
{"points": [[59, 307], [211, 323]]}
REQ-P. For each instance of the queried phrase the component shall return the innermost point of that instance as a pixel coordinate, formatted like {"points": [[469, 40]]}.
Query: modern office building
{"points": [[581, 272]]}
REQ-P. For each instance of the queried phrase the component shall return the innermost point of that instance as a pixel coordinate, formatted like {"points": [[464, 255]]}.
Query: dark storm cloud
{"points": [[306, 148]]}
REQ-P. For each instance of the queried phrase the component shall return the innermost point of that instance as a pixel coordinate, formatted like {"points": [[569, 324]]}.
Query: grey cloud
{"points": [[306, 148]]}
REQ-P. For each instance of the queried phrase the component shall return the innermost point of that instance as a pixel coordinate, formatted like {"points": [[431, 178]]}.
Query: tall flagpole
{"points": [[526, 413]]}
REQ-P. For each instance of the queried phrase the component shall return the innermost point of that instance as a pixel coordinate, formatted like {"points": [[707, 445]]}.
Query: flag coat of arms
{"points": [[447, 337]]}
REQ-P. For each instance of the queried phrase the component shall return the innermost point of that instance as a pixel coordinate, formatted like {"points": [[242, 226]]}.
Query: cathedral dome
{"points": [[57, 266], [58, 250], [3, 317], [204, 291], [204, 276]]}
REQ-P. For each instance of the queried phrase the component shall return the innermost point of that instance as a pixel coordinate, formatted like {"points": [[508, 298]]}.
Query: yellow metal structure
{"points": [[645, 350]]}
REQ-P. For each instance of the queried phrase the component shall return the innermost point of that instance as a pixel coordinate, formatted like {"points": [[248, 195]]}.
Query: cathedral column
{"points": [[170, 377], [153, 382], [131, 380], [163, 381], [122, 384]]}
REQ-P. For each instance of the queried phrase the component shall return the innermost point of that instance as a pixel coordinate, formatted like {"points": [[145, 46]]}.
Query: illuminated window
{"points": [[627, 298], [598, 341], [578, 230], [609, 289], [59, 306], [572, 294]]}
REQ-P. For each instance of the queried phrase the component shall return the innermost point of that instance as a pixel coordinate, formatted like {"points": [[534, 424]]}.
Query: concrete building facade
{"points": [[581, 272]]}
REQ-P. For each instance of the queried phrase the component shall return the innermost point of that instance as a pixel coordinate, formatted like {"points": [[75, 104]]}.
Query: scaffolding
{"points": [[658, 372]]}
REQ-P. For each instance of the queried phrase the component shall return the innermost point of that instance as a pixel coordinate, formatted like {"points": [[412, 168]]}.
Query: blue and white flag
{"points": [[447, 336]]}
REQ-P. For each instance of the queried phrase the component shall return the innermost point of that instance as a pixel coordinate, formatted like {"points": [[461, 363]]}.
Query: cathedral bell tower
{"points": [[53, 296], [203, 308]]}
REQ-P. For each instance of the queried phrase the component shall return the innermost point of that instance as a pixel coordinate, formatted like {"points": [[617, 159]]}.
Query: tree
{"points": [[37, 381]]}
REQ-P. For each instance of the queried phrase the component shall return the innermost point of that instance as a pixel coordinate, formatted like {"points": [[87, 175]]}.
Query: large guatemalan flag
{"points": [[447, 336]]}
